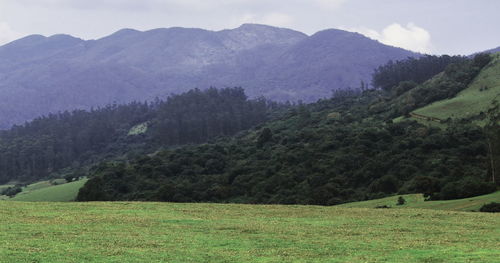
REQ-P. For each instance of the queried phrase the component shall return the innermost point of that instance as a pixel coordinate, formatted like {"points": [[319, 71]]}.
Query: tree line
{"points": [[53, 145]]}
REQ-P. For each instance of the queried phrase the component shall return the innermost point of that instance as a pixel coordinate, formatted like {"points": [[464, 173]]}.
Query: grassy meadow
{"points": [[417, 201], [48, 191], [168, 232], [56, 193]]}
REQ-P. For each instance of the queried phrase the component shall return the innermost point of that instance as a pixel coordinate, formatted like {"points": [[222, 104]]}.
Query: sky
{"points": [[427, 26]]}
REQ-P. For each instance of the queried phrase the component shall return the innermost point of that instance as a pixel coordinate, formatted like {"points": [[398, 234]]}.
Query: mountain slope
{"points": [[474, 101], [328, 60], [40, 74]]}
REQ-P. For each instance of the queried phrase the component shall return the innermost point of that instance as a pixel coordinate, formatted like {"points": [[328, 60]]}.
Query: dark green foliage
{"points": [[492, 207], [401, 201], [492, 131], [307, 157], [69, 178], [265, 136], [417, 70], [12, 191], [463, 188], [71, 140]]}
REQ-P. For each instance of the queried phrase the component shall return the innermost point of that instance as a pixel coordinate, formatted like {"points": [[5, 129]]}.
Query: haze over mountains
{"points": [[41, 74]]}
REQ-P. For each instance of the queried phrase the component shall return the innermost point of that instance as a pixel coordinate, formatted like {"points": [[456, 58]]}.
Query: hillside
{"points": [[218, 146], [418, 201], [162, 232], [55, 193], [334, 151], [41, 74], [477, 99]]}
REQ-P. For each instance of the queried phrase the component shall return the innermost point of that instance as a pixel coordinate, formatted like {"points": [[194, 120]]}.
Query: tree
{"points": [[12, 191], [69, 177], [265, 136]]}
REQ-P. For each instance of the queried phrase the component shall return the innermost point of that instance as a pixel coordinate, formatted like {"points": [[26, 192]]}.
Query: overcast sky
{"points": [[430, 26]]}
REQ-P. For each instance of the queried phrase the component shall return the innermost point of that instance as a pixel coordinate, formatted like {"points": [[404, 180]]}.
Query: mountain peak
{"points": [[122, 33], [252, 26], [27, 40]]}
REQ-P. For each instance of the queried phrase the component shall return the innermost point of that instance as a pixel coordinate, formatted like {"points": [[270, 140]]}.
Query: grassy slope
{"points": [[42, 184], [471, 101], [57, 193], [166, 232], [417, 201]]}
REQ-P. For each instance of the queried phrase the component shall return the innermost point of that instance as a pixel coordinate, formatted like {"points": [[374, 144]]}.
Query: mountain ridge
{"points": [[56, 73]]}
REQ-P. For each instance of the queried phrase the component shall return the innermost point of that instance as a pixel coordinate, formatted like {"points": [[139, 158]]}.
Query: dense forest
{"points": [[414, 70], [326, 153], [52, 145]]}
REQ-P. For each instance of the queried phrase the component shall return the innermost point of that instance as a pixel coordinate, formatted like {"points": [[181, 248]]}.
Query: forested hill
{"points": [[67, 142], [342, 149], [41, 74]]}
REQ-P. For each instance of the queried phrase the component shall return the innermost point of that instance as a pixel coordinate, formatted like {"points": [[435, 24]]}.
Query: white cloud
{"points": [[410, 37], [7, 34], [273, 19]]}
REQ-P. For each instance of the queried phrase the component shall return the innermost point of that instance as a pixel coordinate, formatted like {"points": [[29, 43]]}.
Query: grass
{"points": [[44, 192], [166, 232], [471, 101], [139, 129], [42, 184], [417, 201]]}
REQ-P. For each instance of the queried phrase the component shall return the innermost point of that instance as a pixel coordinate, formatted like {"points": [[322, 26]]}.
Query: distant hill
{"points": [[41, 74]]}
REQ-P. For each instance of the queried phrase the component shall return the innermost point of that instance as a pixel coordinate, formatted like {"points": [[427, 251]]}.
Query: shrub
{"points": [[467, 187], [12, 191], [401, 201], [492, 207]]}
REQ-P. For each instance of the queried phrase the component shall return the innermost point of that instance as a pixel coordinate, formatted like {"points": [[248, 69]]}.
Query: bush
{"points": [[491, 207], [401, 201], [12, 191], [467, 187]]}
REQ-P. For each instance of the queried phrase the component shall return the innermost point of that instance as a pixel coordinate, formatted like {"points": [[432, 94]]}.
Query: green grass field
{"points": [[166, 232], [45, 192], [471, 101], [417, 201]]}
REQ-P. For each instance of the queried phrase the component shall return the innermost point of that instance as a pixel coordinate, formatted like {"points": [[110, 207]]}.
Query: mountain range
{"points": [[40, 75]]}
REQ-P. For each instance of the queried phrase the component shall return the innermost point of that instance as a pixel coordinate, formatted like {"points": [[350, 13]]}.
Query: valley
{"points": [[210, 131]]}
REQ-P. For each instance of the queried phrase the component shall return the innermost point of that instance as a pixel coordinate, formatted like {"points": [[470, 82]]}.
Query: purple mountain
{"points": [[41, 74]]}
